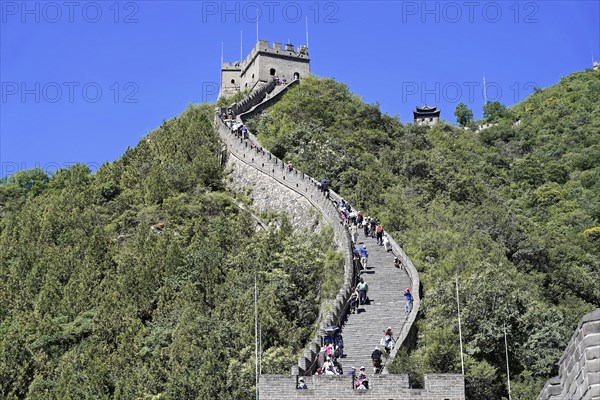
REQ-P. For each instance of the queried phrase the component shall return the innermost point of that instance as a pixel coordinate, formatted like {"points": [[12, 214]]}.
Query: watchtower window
{"points": [[252, 76], [233, 81], [272, 71], [296, 75]]}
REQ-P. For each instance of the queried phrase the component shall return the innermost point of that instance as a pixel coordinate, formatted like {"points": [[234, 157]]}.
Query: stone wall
{"points": [[381, 387], [254, 98], [266, 103], [254, 165], [229, 88], [262, 165], [579, 367], [269, 196], [407, 335], [256, 66], [269, 176], [284, 66]]}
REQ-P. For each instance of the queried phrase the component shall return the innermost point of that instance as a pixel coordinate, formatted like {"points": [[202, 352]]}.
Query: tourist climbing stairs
{"points": [[363, 331]]}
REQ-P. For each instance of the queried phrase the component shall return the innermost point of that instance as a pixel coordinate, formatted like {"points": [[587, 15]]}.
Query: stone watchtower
{"points": [[426, 115], [263, 63]]}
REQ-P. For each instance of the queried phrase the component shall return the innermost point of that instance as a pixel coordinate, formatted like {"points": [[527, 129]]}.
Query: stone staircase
{"points": [[364, 330]]}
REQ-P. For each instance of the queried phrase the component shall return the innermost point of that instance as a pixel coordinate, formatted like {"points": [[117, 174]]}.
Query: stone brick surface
{"points": [[381, 387], [579, 366]]}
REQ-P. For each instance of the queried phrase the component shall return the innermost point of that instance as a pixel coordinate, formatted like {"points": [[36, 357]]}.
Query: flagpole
{"points": [[260, 351], [462, 359], [256, 334], [507, 367], [307, 33], [484, 91]]}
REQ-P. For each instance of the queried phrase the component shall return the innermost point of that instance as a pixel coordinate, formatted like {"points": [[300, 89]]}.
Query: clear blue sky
{"points": [[81, 81]]}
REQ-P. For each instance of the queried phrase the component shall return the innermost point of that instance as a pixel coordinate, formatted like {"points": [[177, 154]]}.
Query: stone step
{"points": [[364, 330]]}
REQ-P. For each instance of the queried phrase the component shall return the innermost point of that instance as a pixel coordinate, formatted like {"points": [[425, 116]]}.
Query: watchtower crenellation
{"points": [[261, 64]]}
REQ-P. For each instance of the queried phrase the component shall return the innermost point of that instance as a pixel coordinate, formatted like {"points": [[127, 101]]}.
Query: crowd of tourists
{"points": [[328, 362], [328, 359], [356, 222]]}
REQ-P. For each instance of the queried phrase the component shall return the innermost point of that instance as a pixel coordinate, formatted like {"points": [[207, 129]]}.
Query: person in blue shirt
{"points": [[364, 256], [409, 299]]}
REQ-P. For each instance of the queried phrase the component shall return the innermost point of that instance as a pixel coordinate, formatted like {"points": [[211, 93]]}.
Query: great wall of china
{"points": [[579, 367], [249, 160]]}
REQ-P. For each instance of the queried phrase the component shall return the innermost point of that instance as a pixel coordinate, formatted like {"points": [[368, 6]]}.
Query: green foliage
{"points": [[483, 380], [512, 210], [493, 111], [463, 114], [227, 101], [323, 127], [137, 282], [592, 233]]}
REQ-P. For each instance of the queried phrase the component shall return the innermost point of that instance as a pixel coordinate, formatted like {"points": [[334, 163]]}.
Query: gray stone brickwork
{"points": [[253, 166], [265, 167], [579, 367], [267, 196], [263, 63], [381, 387]]}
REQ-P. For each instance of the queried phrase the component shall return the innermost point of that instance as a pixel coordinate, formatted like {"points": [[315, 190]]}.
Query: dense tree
{"points": [[93, 303], [493, 111], [96, 304], [463, 114]]}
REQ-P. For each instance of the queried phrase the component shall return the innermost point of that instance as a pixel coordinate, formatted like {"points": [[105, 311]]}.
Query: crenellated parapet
{"points": [[579, 367], [264, 62], [381, 387], [272, 168]]}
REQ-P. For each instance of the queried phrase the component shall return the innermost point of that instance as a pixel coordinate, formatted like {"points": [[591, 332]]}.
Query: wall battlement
{"points": [[263, 46], [381, 387], [264, 61], [579, 367]]}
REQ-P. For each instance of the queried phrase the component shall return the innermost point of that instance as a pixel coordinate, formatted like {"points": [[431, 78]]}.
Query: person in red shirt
{"points": [[379, 232]]}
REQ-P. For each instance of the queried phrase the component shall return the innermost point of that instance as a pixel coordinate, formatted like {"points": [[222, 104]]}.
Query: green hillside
{"points": [[137, 281], [513, 211]]}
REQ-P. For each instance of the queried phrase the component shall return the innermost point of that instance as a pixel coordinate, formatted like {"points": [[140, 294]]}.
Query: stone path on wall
{"points": [[364, 330]]}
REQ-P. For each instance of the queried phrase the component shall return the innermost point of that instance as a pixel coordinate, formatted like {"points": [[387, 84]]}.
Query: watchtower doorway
{"points": [[272, 72]]}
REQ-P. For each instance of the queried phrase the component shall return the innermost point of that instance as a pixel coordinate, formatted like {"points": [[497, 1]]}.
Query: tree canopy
{"points": [[463, 114], [137, 281], [493, 111]]}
